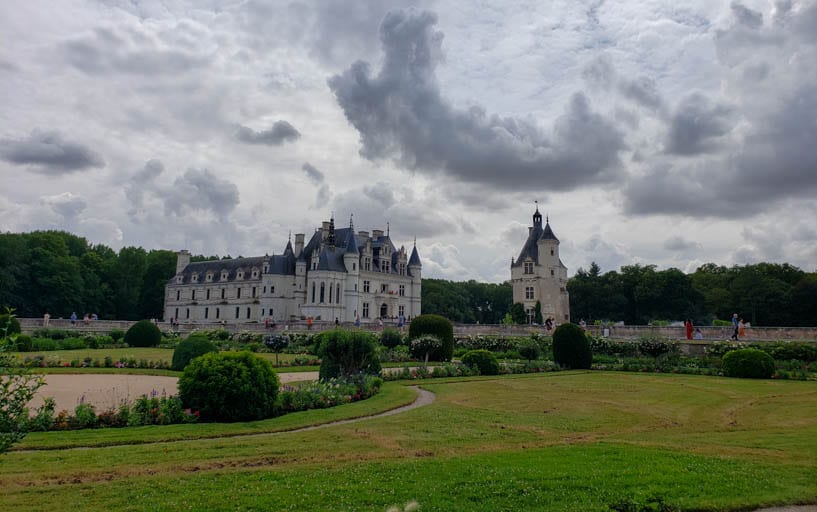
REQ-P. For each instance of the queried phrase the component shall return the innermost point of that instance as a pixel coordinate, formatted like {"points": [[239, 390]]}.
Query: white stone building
{"points": [[338, 274], [539, 275]]}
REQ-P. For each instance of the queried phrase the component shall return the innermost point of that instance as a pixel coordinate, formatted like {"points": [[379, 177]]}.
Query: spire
{"points": [[387, 229], [331, 238], [547, 234], [414, 260], [537, 218], [351, 243], [351, 225]]}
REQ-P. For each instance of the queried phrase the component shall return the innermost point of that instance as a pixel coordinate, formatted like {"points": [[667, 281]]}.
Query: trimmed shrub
{"points": [[390, 338], [483, 360], [143, 333], [347, 353], [438, 326], [530, 350], [571, 348], [9, 324], [24, 343], [117, 334], [190, 348], [748, 363], [657, 346], [71, 344], [229, 386], [43, 344]]}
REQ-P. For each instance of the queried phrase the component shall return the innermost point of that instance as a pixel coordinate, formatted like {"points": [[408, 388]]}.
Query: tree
{"points": [[518, 313], [17, 387], [537, 313]]}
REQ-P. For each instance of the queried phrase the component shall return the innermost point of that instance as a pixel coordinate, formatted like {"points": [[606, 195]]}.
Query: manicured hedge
{"points": [[571, 348], [230, 386], [483, 360], [190, 348], [748, 363], [143, 333], [347, 353]]}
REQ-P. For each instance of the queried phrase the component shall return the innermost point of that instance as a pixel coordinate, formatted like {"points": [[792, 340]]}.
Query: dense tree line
{"points": [[764, 294], [61, 273]]}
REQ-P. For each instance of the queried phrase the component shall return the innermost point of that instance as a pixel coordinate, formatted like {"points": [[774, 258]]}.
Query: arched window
{"points": [[330, 292], [337, 295], [323, 290], [313, 293]]}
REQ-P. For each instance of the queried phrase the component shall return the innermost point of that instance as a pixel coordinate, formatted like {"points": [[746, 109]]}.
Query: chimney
{"points": [[324, 229], [299, 244], [377, 233], [364, 234], [182, 260]]}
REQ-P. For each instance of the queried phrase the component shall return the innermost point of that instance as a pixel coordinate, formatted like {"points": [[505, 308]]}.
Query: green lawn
{"points": [[557, 441]]}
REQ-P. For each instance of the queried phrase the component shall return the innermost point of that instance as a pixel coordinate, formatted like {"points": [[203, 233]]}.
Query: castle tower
{"points": [[538, 274]]}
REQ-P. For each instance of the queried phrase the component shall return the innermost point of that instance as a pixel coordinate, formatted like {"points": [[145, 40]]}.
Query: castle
{"points": [[538, 275], [339, 275]]}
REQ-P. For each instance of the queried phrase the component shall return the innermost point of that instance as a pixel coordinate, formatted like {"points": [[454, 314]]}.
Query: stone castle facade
{"points": [[538, 274], [337, 275]]}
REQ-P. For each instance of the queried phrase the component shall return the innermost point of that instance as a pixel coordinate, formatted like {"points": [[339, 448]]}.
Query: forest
{"points": [[62, 273]]}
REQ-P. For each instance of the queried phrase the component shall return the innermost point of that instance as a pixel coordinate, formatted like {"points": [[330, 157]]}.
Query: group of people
{"points": [[88, 318], [739, 327], [692, 334]]}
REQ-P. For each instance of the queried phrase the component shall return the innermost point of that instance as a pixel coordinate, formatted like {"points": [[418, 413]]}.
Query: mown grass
{"points": [[560, 441]]}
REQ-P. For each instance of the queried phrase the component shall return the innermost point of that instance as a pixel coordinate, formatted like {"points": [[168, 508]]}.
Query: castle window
{"points": [[551, 272], [337, 294], [193, 295], [323, 291], [178, 295], [529, 292], [529, 267], [272, 289], [176, 315], [224, 276], [402, 290], [209, 277], [366, 286], [367, 263], [254, 274], [208, 294], [353, 267], [222, 292], [194, 278], [330, 293], [238, 293], [218, 313], [253, 291], [385, 266], [206, 313], [551, 252], [237, 309], [248, 313], [187, 313], [313, 293], [179, 279], [240, 275], [365, 310], [266, 268], [384, 287], [401, 310], [265, 290]]}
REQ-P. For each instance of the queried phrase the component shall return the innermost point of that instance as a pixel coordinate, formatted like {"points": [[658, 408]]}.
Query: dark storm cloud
{"points": [[49, 153], [401, 114], [280, 132], [66, 205], [312, 172], [696, 125], [135, 50], [746, 16], [771, 161], [201, 190], [642, 90], [601, 74], [143, 180], [680, 244]]}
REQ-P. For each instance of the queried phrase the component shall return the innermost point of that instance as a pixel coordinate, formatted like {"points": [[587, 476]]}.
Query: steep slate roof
{"points": [[331, 259], [531, 247], [548, 233], [415, 257], [216, 266]]}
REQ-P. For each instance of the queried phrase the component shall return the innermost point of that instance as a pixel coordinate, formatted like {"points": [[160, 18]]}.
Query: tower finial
{"points": [[537, 204], [415, 240], [547, 219], [289, 238], [351, 225], [387, 229]]}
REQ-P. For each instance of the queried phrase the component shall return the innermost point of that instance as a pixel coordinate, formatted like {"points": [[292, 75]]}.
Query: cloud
{"points": [[67, 205], [696, 125], [402, 115], [200, 189], [140, 49], [49, 153], [312, 172], [280, 133], [680, 244]]}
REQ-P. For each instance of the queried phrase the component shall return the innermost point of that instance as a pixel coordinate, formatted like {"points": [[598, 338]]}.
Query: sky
{"points": [[650, 132]]}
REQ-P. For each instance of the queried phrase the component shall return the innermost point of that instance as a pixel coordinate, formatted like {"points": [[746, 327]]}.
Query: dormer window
{"points": [[194, 278], [529, 267], [255, 273], [179, 279], [209, 277], [240, 274], [224, 275], [266, 268]]}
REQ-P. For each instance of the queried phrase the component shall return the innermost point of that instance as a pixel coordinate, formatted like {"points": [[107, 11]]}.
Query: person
{"points": [[337, 322], [735, 325], [73, 318], [688, 326], [94, 317], [583, 324], [46, 319], [549, 324], [357, 321], [698, 334], [741, 328], [266, 323], [309, 323], [86, 319], [379, 323]]}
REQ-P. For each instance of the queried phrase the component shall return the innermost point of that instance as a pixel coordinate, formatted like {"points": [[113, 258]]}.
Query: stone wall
{"points": [[615, 332]]}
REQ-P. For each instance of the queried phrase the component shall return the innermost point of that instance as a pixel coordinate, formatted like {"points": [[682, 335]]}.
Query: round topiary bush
{"points": [[347, 353], [438, 326], [748, 363], [390, 338], [9, 324], [483, 360], [530, 350], [229, 386], [24, 343], [143, 333], [190, 348], [571, 348], [423, 347]]}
